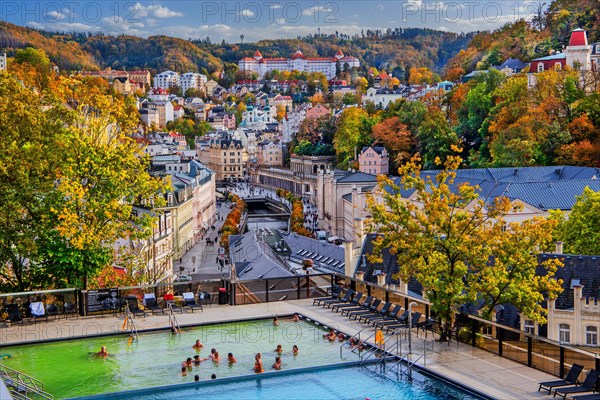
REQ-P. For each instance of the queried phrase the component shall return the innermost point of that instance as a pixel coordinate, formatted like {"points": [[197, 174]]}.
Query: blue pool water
{"points": [[357, 382]]}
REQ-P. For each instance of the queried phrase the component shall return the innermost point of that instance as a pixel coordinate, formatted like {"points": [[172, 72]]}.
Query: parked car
{"points": [[183, 278]]}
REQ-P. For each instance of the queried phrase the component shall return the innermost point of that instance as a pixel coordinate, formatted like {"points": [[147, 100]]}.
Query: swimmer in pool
{"points": [[279, 349], [275, 321], [295, 350], [258, 367], [102, 352], [296, 317], [330, 336], [231, 359], [277, 364], [197, 346]]}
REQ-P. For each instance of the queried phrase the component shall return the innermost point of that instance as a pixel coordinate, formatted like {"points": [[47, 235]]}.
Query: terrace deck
{"points": [[481, 370]]}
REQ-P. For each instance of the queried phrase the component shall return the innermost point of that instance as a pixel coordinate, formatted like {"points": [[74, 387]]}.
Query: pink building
{"points": [[229, 122], [374, 160], [317, 111]]}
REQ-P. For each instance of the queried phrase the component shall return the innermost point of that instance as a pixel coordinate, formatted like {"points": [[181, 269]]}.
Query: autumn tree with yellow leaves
{"points": [[78, 179], [457, 246]]}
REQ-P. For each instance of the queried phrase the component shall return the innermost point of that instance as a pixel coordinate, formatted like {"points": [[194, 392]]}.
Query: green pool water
{"points": [[69, 370]]}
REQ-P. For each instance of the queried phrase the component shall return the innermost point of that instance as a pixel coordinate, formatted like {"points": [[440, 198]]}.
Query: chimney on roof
{"points": [[559, 248], [381, 278]]}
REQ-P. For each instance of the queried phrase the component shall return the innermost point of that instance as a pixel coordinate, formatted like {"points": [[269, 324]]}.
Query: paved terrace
{"points": [[488, 373]]}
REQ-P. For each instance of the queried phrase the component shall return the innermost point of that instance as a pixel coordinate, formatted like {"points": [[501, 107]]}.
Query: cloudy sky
{"points": [[256, 20]]}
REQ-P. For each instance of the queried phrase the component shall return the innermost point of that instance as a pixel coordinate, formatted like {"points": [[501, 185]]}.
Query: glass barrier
{"points": [[14, 307]]}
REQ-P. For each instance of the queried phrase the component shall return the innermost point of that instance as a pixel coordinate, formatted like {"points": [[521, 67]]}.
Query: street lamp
{"points": [[410, 306]]}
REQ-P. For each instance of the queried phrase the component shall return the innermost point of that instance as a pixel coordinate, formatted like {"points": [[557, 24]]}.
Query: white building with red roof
{"points": [[298, 62], [577, 55]]}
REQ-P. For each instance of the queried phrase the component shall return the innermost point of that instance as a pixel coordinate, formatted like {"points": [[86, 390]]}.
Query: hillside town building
{"points": [[298, 62]]}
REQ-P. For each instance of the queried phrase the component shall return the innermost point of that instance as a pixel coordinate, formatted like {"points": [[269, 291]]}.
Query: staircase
{"points": [[22, 386]]}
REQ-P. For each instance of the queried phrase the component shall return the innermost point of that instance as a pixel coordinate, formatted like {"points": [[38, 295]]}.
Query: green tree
{"points": [[436, 139], [35, 57], [353, 131], [30, 144], [455, 245], [581, 231]]}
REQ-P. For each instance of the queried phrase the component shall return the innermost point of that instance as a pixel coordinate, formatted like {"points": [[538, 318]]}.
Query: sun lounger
{"points": [[570, 379], [392, 320], [589, 385], [190, 301], [37, 311], [345, 299], [132, 304], [69, 308], [353, 303], [372, 308], [151, 304], [359, 307], [413, 323], [384, 310], [51, 309], [334, 295], [14, 315], [592, 396], [393, 312]]}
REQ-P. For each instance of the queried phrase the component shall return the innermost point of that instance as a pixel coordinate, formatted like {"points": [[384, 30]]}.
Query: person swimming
{"points": [[231, 359], [215, 357], [330, 336], [197, 378], [187, 363], [275, 321], [213, 376], [183, 371], [258, 366], [341, 337], [102, 352], [198, 345], [295, 350], [277, 364], [296, 317], [279, 349]]}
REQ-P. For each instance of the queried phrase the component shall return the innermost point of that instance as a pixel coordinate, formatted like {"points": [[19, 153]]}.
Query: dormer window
{"points": [[540, 67], [557, 66]]}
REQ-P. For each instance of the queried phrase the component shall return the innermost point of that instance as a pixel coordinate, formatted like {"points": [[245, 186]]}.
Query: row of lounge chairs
{"points": [[37, 312], [570, 386], [373, 311], [151, 304]]}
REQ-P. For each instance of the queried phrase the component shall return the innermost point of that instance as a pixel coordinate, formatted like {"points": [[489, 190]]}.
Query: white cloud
{"points": [[247, 13], [281, 21], [64, 26], [316, 9], [55, 16], [380, 7], [154, 10], [118, 25]]}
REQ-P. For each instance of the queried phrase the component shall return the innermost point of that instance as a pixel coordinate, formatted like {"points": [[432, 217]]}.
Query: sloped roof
{"points": [[250, 260], [546, 188], [586, 269], [352, 177], [332, 256]]}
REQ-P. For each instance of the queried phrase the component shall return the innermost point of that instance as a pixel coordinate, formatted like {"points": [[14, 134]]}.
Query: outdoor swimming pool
{"points": [[68, 369], [366, 382]]}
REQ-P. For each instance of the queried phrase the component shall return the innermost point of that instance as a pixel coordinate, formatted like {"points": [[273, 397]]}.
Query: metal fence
{"points": [[526, 348]]}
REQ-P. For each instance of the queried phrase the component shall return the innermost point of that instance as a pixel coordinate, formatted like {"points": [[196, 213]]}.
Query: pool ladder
{"points": [[172, 319], [22, 386], [130, 324]]}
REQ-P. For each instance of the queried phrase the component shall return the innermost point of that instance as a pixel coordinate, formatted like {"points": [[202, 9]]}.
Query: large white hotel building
{"points": [[298, 62]]}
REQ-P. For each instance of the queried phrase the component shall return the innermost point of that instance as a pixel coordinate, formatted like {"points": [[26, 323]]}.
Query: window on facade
{"points": [[591, 335], [529, 326], [564, 333], [557, 66], [540, 67]]}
